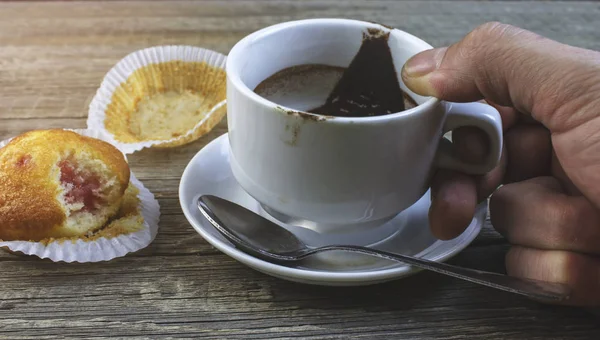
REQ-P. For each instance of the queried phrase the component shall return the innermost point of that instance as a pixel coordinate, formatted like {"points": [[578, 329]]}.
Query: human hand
{"points": [[548, 95]]}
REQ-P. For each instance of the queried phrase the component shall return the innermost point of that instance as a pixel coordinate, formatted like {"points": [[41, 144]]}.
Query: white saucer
{"points": [[209, 173]]}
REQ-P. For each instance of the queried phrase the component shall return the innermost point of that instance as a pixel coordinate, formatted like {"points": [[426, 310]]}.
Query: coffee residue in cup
{"points": [[369, 86]]}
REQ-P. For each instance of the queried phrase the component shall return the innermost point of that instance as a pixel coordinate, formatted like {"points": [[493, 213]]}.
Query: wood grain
{"points": [[53, 57]]}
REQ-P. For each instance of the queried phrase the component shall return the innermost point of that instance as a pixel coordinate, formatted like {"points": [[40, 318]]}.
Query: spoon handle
{"points": [[534, 289]]}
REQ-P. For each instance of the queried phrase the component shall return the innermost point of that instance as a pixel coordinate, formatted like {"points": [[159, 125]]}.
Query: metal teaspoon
{"points": [[268, 241]]}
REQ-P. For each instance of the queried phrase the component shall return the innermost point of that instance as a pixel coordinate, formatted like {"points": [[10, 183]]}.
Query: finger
{"points": [[489, 182], [511, 67], [580, 272], [530, 151], [537, 213], [526, 119], [579, 152], [453, 202], [508, 114], [558, 172], [471, 145]]}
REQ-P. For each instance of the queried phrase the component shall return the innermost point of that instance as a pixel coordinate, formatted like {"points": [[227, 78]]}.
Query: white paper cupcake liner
{"points": [[101, 249], [126, 67]]}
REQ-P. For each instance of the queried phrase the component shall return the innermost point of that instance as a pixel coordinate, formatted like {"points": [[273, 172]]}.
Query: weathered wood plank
{"points": [[214, 296], [52, 59], [54, 55]]}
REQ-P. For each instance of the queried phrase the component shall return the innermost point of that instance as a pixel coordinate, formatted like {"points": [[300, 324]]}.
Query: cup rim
{"points": [[236, 53]]}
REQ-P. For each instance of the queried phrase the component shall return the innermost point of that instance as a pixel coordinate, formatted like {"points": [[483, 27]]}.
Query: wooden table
{"points": [[52, 59]]}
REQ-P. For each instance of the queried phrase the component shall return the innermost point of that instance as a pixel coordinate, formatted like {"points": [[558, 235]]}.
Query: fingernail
{"points": [[424, 63]]}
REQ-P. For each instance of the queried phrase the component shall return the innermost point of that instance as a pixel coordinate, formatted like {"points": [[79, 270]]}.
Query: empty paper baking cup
{"points": [[162, 96], [134, 227]]}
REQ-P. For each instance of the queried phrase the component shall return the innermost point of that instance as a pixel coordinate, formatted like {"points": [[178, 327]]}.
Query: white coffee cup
{"points": [[339, 171]]}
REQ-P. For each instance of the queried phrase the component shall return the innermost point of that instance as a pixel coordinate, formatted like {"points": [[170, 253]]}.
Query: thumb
{"points": [[509, 66]]}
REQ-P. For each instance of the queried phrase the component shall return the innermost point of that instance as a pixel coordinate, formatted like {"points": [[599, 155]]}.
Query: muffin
{"points": [[57, 183]]}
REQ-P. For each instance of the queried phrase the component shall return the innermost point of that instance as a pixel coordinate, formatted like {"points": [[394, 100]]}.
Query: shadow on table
{"points": [[430, 302]]}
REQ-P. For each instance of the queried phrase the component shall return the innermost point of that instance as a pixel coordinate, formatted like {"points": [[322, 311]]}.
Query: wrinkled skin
{"points": [[548, 95]]}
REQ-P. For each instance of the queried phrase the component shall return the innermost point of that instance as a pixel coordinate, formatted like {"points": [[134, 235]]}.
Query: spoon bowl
{"points": [[268, 241], [256, 236]]}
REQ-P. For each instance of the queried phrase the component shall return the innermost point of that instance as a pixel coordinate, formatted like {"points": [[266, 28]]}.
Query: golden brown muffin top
{"points": [[30, 179]]}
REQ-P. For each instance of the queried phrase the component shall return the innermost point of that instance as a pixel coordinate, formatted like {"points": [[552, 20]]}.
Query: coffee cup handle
{"points": [[478, 115]]}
